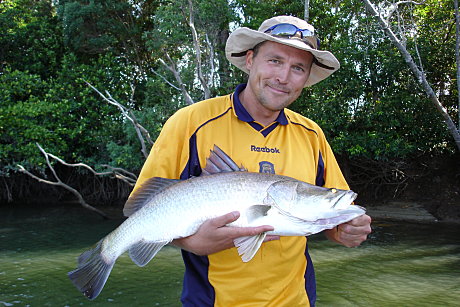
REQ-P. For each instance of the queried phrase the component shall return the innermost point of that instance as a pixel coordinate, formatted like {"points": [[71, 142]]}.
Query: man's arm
{"points": [[352, 233], [213, 236]]}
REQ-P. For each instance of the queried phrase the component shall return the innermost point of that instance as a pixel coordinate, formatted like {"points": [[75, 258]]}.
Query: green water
{"points": [[400, 265]]}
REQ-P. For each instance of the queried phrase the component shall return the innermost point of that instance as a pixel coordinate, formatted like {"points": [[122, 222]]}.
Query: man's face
{"points": [[277, 74]]}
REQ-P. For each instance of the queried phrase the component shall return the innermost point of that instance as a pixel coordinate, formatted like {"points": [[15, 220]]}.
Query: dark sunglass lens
{"points": [[307, 32], [284, 29], [289, 30]]}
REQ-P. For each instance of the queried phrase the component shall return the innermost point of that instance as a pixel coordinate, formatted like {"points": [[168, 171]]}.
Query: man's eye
{"points": [[275, 61], [298, 68]]}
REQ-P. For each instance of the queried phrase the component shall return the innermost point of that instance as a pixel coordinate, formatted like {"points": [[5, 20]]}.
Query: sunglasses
{"points": [[287, 30]]}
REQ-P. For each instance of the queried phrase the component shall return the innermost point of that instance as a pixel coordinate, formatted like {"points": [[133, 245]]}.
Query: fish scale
{"points": [[162, 210]]}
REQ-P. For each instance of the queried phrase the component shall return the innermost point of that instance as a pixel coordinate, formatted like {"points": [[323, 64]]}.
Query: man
{"points": [[255, 129]]}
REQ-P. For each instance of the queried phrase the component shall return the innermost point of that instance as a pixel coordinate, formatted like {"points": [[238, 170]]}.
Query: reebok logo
{"points": [[265, 149]]}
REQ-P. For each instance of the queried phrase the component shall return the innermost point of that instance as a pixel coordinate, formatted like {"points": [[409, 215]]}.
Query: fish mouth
{"points": [[347, 198]]}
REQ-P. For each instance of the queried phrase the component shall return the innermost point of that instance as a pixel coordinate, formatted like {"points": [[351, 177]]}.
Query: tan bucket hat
{"points": [[244, 39]]}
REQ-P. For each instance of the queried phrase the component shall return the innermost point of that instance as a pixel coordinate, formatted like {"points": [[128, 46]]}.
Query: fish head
{"points": [[324, 197], [309, 202]]}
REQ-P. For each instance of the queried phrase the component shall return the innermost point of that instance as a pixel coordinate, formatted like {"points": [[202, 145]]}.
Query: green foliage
{"points": [[31, 37], [372, 107], [62, 114], [93, 27]]}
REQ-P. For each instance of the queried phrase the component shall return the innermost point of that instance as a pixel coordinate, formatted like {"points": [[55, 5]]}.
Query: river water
{"points": [[400, 265]]}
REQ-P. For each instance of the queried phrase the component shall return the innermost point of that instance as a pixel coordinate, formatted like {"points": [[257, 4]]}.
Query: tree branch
{"points": [[165, 80], [211, 60], [173, 69], [58, 182], [128, 114], [395, 6], [127, 177]]}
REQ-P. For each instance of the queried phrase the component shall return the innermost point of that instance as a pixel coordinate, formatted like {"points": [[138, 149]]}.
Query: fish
{"points": [[162, 210]]}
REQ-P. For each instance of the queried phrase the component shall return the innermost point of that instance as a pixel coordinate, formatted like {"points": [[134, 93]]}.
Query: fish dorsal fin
{"points": [[219, 162], [148, 190]]}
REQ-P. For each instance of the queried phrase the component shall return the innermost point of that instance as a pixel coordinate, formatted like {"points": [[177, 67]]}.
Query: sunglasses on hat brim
{"points": [[290, 31], [287, 30]]}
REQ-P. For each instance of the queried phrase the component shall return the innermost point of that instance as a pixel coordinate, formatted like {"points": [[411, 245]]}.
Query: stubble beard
{"points": [[272, 104]]}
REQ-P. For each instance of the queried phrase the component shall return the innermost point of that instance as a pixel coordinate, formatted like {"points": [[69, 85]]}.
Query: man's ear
{"points": [[249, 59]]}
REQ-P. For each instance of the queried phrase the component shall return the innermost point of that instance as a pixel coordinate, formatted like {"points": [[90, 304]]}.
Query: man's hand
{"points": [[213, 236], [352, 233]]}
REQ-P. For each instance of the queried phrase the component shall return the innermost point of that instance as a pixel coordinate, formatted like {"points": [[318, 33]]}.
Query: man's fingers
{"points": [[354, 232], [223, 220], [237, 232], [228, 218], [271, 238], [361, 220], [214, 236]]}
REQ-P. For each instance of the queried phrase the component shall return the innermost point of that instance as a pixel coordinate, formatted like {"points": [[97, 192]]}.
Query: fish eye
{"points": [[333, 190]]}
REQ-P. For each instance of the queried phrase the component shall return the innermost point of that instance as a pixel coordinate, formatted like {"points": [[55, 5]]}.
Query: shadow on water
{"points": [[50, 228], [400, 265]]}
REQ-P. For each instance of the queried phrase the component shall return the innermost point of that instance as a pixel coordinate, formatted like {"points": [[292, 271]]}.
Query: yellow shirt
{"points": [[281, 273]]}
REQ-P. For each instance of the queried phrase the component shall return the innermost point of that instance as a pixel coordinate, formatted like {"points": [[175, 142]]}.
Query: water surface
{"points": [[400, 265]]}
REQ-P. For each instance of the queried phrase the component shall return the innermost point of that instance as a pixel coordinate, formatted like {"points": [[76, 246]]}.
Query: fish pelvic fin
{"points": [[92, 272], [219, 162], [248, 246], [148, 190], [142, 252]]}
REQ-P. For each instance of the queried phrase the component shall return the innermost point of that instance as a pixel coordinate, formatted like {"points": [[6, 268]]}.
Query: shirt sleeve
{"points": [[169, 153], [332, 174]]}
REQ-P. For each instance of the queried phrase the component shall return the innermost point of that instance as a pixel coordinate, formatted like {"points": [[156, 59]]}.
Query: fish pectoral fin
{"points": [[142, 252], [248, 246], [255, 212]]}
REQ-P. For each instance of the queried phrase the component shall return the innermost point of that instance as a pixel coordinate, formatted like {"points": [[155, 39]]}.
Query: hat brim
{"points": [[244, 39]]}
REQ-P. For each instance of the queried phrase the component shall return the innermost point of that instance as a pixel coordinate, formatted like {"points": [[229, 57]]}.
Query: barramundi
{"points": [[162, 210]]}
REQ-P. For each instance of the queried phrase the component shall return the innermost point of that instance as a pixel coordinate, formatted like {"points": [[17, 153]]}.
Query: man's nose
{"points": [[282, 75]]}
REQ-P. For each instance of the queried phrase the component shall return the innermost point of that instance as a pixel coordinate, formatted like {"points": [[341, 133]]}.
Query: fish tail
{"points": [[92, 272]]}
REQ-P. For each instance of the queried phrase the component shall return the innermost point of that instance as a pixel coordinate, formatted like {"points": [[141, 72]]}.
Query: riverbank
{"points": [[402, 211], [429, 193], [395, 210], [420, 190], [434, 210]]}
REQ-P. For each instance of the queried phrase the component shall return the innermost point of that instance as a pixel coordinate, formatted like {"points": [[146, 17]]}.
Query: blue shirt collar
{"points": [[244, 115]]}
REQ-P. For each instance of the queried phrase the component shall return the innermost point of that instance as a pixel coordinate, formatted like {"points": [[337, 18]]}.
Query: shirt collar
{"points": [[244, 115]]}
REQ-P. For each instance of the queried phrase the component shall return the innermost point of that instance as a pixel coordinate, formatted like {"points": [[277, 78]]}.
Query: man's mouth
{"points": [[278, 89]]}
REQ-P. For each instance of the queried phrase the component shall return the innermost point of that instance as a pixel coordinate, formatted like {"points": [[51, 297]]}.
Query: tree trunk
{"points": [[306, 14], [196, 44], [457, 56], [419, 75]]}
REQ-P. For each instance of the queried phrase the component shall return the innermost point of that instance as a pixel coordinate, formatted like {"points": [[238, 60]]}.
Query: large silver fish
{"points": [[162, 210]]}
